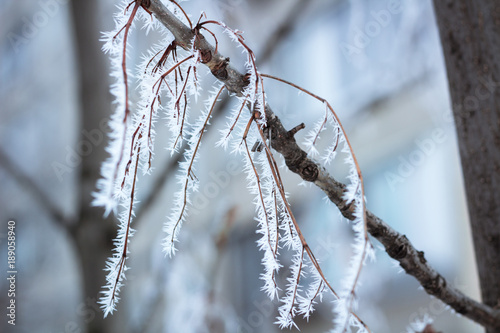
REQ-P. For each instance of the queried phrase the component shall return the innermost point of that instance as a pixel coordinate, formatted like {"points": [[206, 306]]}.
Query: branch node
{"points": [[219, 70], [310, 172], [297, 128], [435, 285], [421, 257], [206, 56], [145, 3]]}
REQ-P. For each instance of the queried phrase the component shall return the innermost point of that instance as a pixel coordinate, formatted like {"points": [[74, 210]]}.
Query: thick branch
{"points": [[283, 141]]}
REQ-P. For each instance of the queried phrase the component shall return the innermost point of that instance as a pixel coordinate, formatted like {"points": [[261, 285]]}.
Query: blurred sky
{"points": [[379, 63]]}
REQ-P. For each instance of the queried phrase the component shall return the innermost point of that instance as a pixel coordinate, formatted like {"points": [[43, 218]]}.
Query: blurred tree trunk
{"points": [[92, 234], [470, 35]]}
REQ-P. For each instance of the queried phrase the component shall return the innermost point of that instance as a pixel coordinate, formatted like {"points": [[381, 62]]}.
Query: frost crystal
{"points": [[167, 82], [132, 134]]}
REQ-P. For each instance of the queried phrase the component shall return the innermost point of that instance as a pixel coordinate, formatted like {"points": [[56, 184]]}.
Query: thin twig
{"points": [[123, 255], [261, 195], [126, 27], [193, 157]]}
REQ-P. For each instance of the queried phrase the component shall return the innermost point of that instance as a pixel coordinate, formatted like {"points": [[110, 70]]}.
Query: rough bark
{"points": [[396, 245], [470, 35], [92, 234]]}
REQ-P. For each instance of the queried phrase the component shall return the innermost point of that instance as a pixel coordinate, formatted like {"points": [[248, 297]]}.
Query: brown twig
{"points": [[189, 170], [126, 27], [261, 194], [123, 256]]}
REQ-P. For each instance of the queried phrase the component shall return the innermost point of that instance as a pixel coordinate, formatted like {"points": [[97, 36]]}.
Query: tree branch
{"points": [[36, 191], [283, 141]]}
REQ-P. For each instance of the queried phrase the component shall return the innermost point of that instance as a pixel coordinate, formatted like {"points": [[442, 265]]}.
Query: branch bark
{"points": [[283, 141], [470, 35]]}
